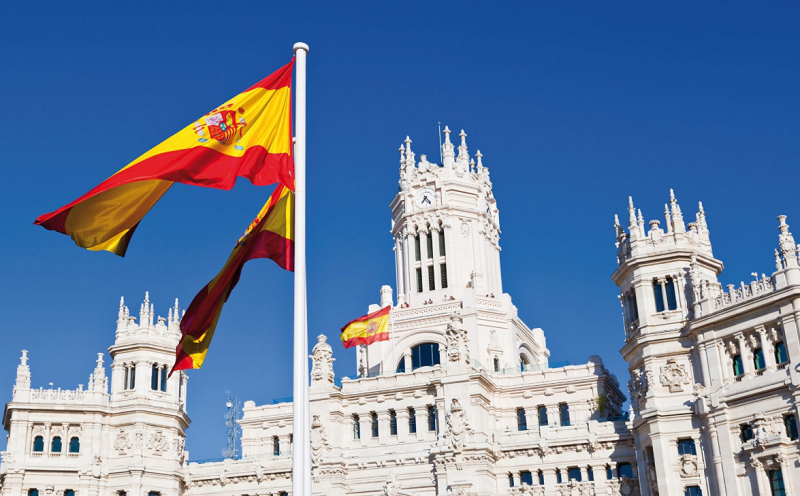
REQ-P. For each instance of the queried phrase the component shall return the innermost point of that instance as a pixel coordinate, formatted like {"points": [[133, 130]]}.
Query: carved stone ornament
{"points": [[457, 426], [457, 341], [122, 442], [622, 487], [465, 230], [575, 488], [322, 358], [688, 466], [158, 442], [392, 488], [674, 376], [319, 440]]}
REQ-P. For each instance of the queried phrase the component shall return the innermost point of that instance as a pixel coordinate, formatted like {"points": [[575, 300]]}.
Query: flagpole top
{"points": [[300, 46]]}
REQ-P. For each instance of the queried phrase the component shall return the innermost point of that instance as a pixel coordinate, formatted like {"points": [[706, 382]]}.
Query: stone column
{"points": [[663, 450], [703, 353], [663, 283], [436, 272], [422, 423], [550, 480], [407, 359], [408, 258], [531, 418], [402, 424], [719, 477], [442, 354], [600, 483], [383, 427], [766, 348], [285, 445], [398, 252], [365, 421], [584, 474]]}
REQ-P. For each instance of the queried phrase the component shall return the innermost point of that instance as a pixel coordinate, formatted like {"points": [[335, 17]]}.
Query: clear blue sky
{"points": [[575, 106]]}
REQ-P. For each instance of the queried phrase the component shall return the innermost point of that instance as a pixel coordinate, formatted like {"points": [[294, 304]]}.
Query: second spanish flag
{"points": [[367, 329]]}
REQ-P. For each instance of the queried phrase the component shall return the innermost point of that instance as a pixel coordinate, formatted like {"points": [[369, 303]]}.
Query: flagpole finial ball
{"points": [[300, 46]]}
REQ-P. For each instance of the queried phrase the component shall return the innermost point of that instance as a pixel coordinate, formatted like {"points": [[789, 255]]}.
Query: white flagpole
{"points": [[301, 465]]}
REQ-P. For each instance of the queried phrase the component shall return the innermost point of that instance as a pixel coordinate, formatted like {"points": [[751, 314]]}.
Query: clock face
{"points": [[426, 198]]}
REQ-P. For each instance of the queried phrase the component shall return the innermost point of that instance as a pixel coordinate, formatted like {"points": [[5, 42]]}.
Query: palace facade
{"points": [[463, 400]]}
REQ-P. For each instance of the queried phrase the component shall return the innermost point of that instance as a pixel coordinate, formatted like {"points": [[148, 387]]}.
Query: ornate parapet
{"points": [[575, 488]]}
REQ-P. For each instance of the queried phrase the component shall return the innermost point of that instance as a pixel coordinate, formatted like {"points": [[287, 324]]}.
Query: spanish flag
{"points": [[248, 136], [368, 329], [270, 235]]}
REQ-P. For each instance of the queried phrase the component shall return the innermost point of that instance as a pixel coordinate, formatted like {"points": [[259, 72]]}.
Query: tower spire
{"points": [[677, 216], [447, 149]]}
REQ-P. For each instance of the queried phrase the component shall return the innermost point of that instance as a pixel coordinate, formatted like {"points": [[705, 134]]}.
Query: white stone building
{"points": [[714, 371], [462, 400]]}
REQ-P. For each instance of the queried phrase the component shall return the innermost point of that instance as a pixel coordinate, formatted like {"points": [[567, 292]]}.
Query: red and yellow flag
{"points": [[248, 136], [270, 235], [368, 329]]}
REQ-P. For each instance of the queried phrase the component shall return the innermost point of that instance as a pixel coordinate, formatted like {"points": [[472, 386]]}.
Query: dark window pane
{"points": [[38, 444], [693, 491], [780, 353], [374, 420], [510, 480], [417, 248], [401, 367], [419, 280], [574, 474], [424, 355], [541, 478], [429, 238], [55, 446], [133, 377], [625, 470], [747, 432], [790, 421], [558, 476], [564, 412], [164, 378], [542, 415], [392, 423], [431, 418], [412, 421], [686, 447], [758, 359], [590, 473], [154, 378], [526, 477], [356, 427], [443, 270], [738, 366], [776, 484], [431, 279], [442, 251], [659, 296], [672, 303], [522, 423], [74, 445]]}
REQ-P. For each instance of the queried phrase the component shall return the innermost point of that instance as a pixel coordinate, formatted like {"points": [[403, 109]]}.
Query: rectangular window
{"points": [[694, 491], [672, 302], [392, 423], [510, 481], [442, 251], [133, 377], [526, 477], [431, 418], [125, 384], [429, 238], [417, 248], [419, 279], [574, 473], [431, 279], [412, 421], [609, 472], [154, 378], [542, 415], [356, 427], [686, 447], [776, 484], [443, 270], [276, 446], [625, 470], [164, 378], [590, 474], [563, 410], [790, 421], [659, 296], [558, 476], [69, 492], [541, 478], [374, 419], [746, 432], [522, 423]]}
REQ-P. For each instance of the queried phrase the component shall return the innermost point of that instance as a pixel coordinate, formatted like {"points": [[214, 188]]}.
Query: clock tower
{"points": [[446, 226]]}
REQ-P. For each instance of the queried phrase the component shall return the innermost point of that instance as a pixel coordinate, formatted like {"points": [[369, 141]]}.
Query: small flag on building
{"points": [[270, 235], [248, 136], [368, 329]]}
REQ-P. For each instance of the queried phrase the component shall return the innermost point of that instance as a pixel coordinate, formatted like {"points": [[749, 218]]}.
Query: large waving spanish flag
{"points": [[367, 329], [248, 136], [270, 235]]}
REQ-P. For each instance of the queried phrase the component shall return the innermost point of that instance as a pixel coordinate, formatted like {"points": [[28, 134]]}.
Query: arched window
{"points": [[776, 485], [758, 359], [74, 445], [55, 446], [625, 470], [33, 492], [424, 355], [738, 366], [401, 367], [780, 353], [38, 444], [523, 362]]}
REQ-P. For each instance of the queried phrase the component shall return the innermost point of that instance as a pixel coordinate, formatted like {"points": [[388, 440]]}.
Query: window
{"points": [[132, 383], [442, 251], [790, 421], [424, 355], [429, 239], [558, 476], [417, 248], [693, 491], [672, 303], [154, 378], [33, 492], [69, 492], [431, 279], [780, 353], [625, 470], [526, 477], [523, 363], [125, 383], [419, 280], [276, 446], [510, 480], [563, 410], [496, 364], [431, 418], [412, 421], [738, 366], [522, 423], [151, 493], [356, 427], [590, 474], [776, 486], [609, 472], [659, 296], [55, 446], [122, 493], [541, 478], [746, 432], [401, 367], [443, 270], [74, 445], [38, 444], [574, 473], [686, 447], [758, 359], [373, 417], [542, 415], [392, 423], [164, 378]]}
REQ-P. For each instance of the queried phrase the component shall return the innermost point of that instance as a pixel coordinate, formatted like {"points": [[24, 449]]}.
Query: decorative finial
{"points": [[463, 156], [463, 136], [402, 154], [23, 360], [472, 165], [446, 134], [479, 156], [700, 206], [641, 218], [99, 360], [667, 218]]}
